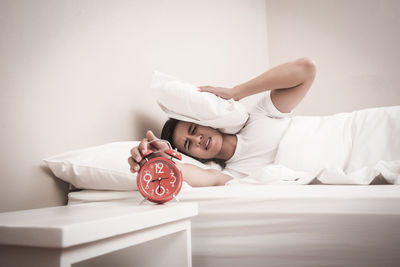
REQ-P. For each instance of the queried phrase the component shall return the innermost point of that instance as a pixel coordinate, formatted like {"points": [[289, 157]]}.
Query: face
{"points": [[197, 141]]}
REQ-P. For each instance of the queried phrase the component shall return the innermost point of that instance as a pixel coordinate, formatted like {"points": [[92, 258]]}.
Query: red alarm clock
{"points": [[159, 179]]}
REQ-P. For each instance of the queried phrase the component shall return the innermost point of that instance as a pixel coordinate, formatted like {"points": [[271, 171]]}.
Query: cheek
{"points": [[217, 144], [203, 154], [196, 153]]}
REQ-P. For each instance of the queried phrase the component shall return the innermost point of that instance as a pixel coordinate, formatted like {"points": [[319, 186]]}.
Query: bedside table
{"points": [[65, 235]]}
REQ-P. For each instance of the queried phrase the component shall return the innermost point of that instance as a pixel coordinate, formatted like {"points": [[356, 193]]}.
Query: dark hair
{"points": [[168, 129], [167, 134]]}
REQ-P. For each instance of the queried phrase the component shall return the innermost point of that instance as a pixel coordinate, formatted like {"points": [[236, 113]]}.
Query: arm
{"points": [[196, 176], [289, 83]]}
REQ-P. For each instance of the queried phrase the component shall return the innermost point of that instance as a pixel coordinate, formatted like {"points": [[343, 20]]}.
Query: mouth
{"points": [[208, 142]]}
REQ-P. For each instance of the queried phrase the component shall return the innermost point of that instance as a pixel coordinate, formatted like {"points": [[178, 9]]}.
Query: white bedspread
{"points": [[345, 148], [271, 225]]}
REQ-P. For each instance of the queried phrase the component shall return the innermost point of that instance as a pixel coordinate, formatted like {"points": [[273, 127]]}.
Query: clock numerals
{"points": [[147, 178], [174, 179], [159, 180], [160, 190], [159, 167]]}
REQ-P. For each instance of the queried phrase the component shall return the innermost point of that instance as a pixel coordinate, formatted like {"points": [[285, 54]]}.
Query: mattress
{"points": [[287, 225]]}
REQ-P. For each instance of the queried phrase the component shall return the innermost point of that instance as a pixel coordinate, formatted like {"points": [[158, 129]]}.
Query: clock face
{"points": [[159, 180]]}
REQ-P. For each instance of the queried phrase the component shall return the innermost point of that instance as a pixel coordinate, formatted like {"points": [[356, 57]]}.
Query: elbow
{"points": [[308, 67]]}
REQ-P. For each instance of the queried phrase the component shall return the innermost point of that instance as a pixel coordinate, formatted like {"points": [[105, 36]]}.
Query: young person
{"points": [[257, 142]]}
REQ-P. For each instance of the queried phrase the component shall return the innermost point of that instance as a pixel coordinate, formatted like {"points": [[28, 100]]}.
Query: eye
{"points": [[187, 144], [194, 129], [191, 130]]}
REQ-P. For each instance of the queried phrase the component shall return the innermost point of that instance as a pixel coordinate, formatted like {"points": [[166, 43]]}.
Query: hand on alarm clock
{"points": [[159, 179], [138, 152]]}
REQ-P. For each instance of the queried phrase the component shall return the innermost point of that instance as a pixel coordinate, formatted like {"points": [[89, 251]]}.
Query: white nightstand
{"points": [[62, 236]]}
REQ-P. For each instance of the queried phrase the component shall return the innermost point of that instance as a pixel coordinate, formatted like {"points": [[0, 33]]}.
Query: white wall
{"points": [[355, 44], [76, 73]]}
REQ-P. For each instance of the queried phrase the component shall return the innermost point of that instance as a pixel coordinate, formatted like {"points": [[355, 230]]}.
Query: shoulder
{"points": [[265, 106]]}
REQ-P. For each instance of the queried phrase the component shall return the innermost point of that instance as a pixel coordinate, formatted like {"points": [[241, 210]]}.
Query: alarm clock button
{"points": [[148, 152], [173, 153]]}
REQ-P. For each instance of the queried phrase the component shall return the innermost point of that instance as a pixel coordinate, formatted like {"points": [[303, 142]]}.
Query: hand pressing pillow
{"points": [[102, 167], [184, 101]]}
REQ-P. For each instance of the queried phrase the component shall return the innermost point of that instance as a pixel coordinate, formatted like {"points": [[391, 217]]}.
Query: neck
{"points": [[229, 142]]}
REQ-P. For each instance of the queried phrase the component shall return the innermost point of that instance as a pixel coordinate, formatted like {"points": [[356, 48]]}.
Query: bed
{"points": [[276, 216], [287, 225]]}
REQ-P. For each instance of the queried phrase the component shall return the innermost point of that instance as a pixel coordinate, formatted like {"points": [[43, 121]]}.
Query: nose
{"points": [[197, 139]]}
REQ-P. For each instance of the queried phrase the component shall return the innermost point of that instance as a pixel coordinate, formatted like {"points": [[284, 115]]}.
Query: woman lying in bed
{"points": [[255, 145]]}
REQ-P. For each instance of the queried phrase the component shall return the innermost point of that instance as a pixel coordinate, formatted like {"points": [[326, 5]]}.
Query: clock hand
{"points": [[159, 179], [159, 185], [159, 182]]}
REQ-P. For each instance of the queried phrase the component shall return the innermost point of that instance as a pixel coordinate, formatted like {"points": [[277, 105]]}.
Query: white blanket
{"points": [[345, 148]]}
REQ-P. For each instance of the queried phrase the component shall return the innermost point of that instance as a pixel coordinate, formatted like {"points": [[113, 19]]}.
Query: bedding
{"points": [[285, 225], [344, 148], [98, 167], [183, 101]]}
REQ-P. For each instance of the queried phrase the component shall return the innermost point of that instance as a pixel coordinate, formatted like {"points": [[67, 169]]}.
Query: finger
{"points": [[134, 167], [135, 154], [150, 136], [143, 145], [204, 88], [212, 90]]}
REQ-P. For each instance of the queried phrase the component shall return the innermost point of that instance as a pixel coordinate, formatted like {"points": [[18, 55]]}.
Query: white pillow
{"points": [[184, 101], [102, 167]]}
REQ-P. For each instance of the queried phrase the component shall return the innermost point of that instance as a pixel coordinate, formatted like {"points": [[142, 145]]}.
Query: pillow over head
{"points": [[184, 101], [102, 167]]}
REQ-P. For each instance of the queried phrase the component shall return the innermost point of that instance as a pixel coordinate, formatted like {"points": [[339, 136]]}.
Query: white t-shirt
{"points": [[258, 141]]}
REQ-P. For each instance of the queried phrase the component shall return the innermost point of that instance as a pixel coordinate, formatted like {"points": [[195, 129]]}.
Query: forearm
{"points": [[198, 177], [286, 75]]}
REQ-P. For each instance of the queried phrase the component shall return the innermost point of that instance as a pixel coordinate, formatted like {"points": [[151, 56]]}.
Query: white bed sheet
{"points": [[287, 225]]}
